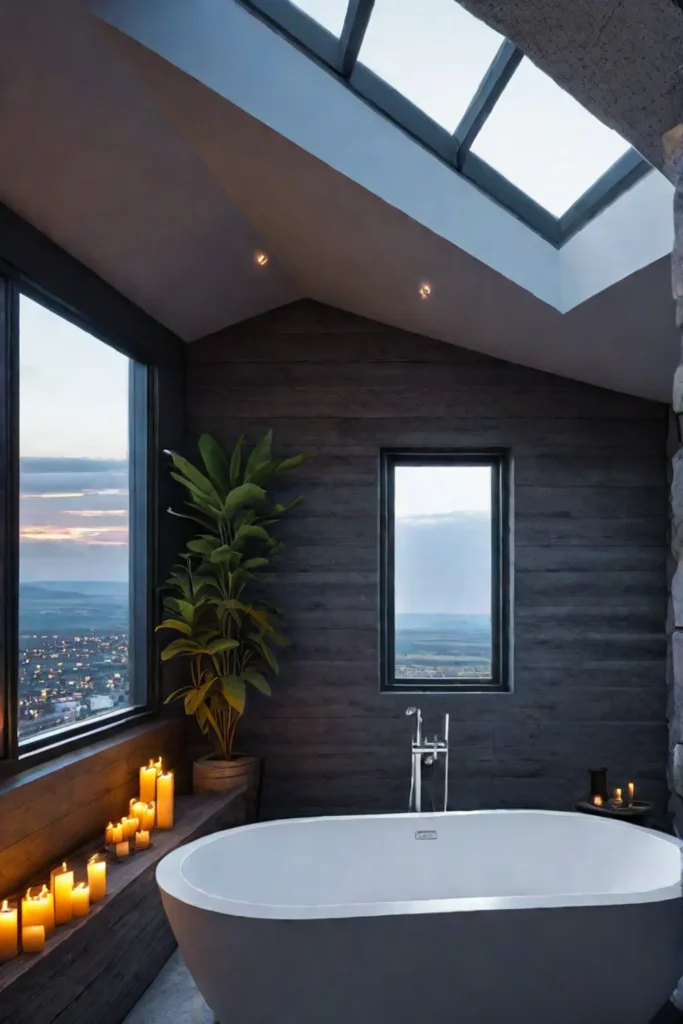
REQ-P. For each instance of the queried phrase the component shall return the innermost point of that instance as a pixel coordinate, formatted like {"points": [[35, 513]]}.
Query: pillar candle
{"points": [[117, 834], [148, 817], [62, 884], [159, 767], [130, 827], [97, 879], [33, 938], [109, 834], [122, 849], [38, 910], [141, 840], [9, 935], [165, 800], [80, 900], [631, 789], [148, 782], [137, 809]]}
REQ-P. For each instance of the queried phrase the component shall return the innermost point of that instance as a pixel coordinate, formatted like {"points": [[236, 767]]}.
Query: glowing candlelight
{"points": [[129, 827], [109, 835], [138, 809], [9, 936], [616, 798], [165, 800], [62, 885], [148, 818], [148, 782], [38, 910], [80, 900], [631, 789], [117, 834], [597, 800], [141, 840], [122, 849], [33, 938], [97, 878]]}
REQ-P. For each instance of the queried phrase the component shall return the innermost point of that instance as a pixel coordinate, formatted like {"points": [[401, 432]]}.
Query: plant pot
{"points": [[212, 775]]}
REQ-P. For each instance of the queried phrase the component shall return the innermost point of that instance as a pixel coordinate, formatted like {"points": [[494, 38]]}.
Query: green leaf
{"points": [[177, 694], [296, 460], [180, 627], [218, 646], [245, 493], [236, 461], [260, 455], [215, 462], [177, 647], [258, 680], [266, 652], [201, 501], [226, 554], [248, 532], [279, 509], [235, 692], [187, 609], [202, 546], [193, 475], [254, 563]]}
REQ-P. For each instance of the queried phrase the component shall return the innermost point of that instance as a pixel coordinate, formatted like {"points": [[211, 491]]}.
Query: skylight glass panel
{"points": [[328, 13], [432, 51], [545, 142]]}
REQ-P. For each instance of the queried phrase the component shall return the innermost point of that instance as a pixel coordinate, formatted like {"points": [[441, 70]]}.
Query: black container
{"points": [[599, 783]]}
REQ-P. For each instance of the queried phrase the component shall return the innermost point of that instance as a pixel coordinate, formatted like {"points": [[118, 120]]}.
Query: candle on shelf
{"points": [[129, 827], [80, 900], [159, 767], [148, 782], [109, 834], [62, 884], [137, 809], [165, 800], [97, 878], [117, 834], [33, 938], [141, 839], [597, 800], [122, 849], [9, 935], [616, 798], [38, 910], [631, 790], [148, 817]]}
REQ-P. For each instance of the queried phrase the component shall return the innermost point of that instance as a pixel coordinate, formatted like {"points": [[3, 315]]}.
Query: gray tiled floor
{"points": [[171, 999]]}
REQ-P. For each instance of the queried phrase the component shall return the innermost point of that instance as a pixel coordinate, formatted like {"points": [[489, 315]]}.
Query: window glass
{"points": [[74, 617], [442, 573], [546, 143], [328, 13], [434, 52]]}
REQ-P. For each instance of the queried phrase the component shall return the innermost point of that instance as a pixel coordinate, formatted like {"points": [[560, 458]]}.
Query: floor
{"points": [[171, 999]]}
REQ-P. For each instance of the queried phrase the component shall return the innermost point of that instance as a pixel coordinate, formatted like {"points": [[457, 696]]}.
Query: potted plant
{"points": [[229, 638]]}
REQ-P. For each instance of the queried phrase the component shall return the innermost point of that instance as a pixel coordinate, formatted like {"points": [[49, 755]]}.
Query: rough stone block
{"points": [[677, 769], [677, 504]]}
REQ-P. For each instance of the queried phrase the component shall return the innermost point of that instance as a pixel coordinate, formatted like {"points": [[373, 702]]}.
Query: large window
{"points": [[445, 581]]}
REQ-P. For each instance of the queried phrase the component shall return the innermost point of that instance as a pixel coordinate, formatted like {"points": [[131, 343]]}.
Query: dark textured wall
{"points": [[589, 546]]}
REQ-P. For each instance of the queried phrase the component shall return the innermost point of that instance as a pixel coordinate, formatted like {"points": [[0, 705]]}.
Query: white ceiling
{"points": [[167, 191]]}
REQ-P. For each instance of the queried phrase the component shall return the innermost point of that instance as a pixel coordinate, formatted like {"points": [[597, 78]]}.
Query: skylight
{"points": [[434, 52], [546, 143], [328, 13]]}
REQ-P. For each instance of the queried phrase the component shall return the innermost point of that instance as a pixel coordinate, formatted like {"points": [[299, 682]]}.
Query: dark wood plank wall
{"points": [[590, 528]]}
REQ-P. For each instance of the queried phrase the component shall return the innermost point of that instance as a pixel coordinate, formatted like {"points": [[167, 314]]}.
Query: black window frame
{"points": [[339, 57], [500, 461], [143, 546]]}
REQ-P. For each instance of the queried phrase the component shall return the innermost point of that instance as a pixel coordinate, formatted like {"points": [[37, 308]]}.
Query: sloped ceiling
{"points": [[98, 154]]}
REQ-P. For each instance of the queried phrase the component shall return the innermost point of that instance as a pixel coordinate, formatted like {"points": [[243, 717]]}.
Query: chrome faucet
{"points": [[427, 752]]}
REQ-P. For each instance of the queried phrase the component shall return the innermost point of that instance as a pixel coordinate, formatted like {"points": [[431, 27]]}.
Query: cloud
{"points": [[75, 533], [93, 513]]}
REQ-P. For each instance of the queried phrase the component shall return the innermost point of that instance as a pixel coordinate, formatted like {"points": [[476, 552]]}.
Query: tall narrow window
{"points": [[76, 401], [445, 587]]}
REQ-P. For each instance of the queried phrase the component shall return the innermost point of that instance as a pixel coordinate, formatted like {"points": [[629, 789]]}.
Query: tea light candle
{"points": [[129, 827], [9, 935], [122, 849], [62, 885], [38, 910], [80, 900], [97, 878], [165, 800], [597, 800], [631, 789], [109, 835], [616, 798], [33, 938], [148, 817], [148, 782], [141, 840], [117, 834]]}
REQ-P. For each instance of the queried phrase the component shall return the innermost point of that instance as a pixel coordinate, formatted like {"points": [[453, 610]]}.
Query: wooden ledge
{"points": [[95, 968]]}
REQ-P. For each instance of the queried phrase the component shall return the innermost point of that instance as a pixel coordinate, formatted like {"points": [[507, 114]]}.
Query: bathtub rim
{"points": [[172, 882]]}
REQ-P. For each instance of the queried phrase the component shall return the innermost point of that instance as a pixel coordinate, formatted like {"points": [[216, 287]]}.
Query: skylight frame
{"points": [[340, 57]]}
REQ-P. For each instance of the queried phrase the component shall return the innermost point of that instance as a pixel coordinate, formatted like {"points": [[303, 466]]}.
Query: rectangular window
{"points": [[82, 555], [445, 579]]}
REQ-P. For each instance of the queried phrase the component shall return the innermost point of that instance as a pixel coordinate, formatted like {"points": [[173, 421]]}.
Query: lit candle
{"points": [[616, 798], [148, 816], [148, 782], [130, 827], [117, 834], [38, 910], [597, 800], [122, 849], [62, 884], [165, 800], [137, 809], [109, 835], [80, 900], [33, 938], [631, 793], [141, 839], [97, 878], [159, 767], [9, 935]]}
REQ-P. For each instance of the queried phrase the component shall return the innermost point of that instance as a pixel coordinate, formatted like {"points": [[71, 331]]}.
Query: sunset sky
{"points": [[73, 452]]}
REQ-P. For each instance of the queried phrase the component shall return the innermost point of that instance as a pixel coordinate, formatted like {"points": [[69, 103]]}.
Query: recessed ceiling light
{"points": [[262, 259], [425, 291]]}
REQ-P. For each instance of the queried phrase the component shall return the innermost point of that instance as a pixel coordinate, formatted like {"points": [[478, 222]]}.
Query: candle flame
{"points": [[4, 909], [95, 856], [81, 885], [44, 892], [64, 865]]}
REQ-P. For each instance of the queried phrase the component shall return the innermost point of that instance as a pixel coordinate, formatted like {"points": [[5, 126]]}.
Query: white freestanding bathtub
{"points": [[527, 917]]}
